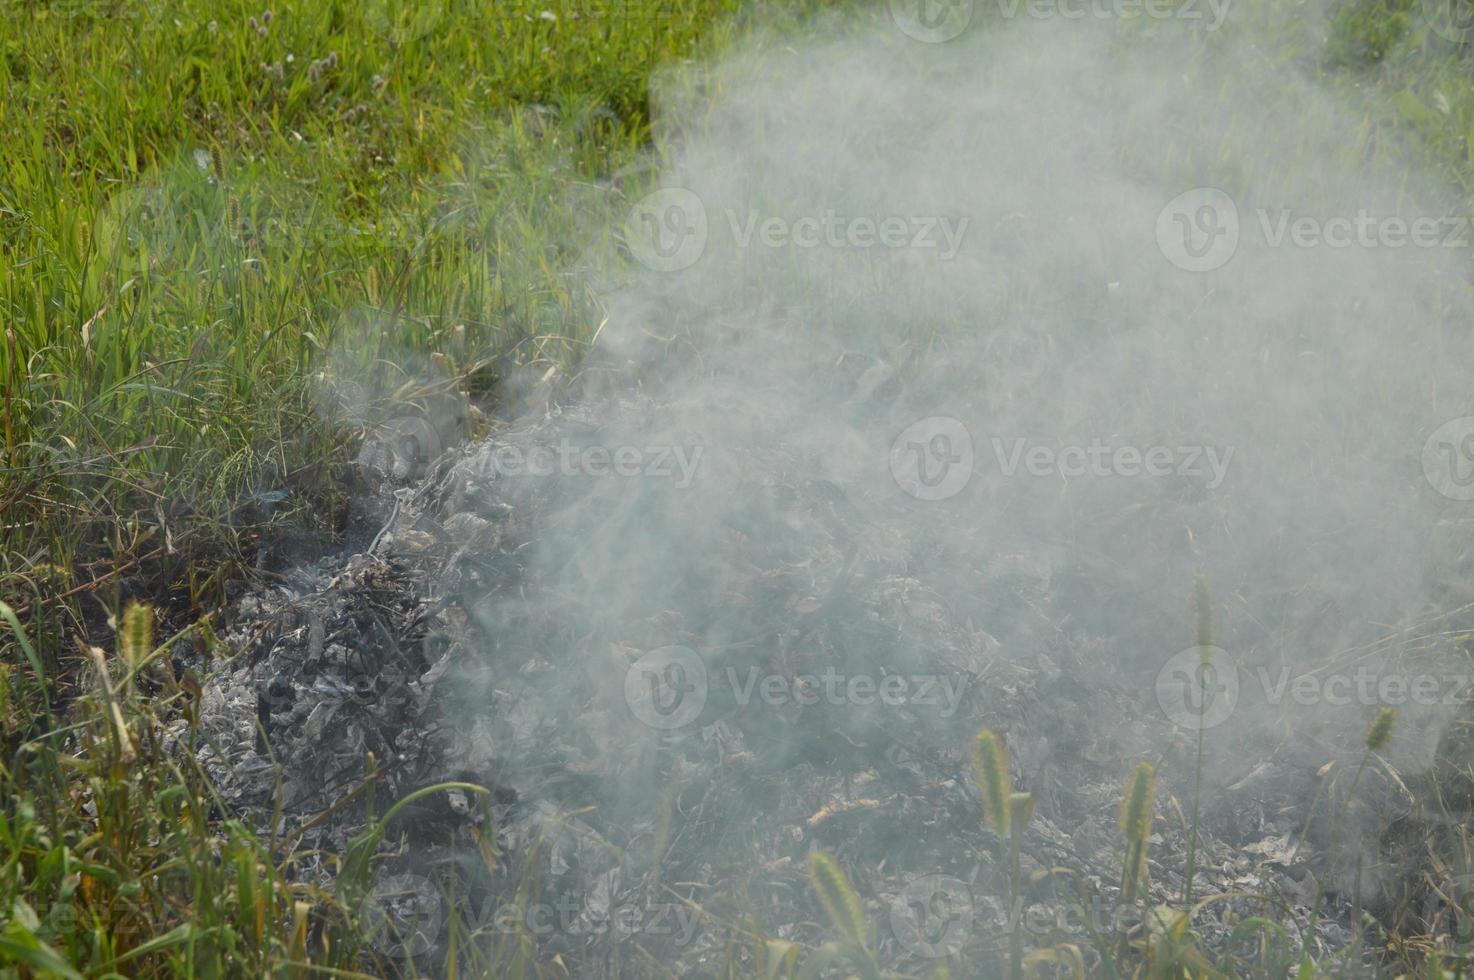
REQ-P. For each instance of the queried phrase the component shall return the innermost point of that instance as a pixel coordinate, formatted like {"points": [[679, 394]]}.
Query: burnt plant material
{"points": [[475, 637]]}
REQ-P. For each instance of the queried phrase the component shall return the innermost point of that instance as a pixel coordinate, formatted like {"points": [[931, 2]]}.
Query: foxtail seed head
{"points": [[1381, 729], [837, 896], [136, 640], [1203, 602], [990, 772], [1136, 806]]}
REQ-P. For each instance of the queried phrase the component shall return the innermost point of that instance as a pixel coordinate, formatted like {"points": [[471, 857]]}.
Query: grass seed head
{"points": [[136, 639], [990, 772], [1136, 806], [837, 896], [1380, 729], [1203, 602]]}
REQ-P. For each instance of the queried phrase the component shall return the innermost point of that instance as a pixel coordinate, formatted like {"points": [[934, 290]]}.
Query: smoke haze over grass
{"points": [[1049, 319], [1259, 415], [923, 374]]}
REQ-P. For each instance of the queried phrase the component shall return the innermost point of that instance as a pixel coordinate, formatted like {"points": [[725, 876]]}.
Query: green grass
{"points": [[226, 242], [227, 245]]}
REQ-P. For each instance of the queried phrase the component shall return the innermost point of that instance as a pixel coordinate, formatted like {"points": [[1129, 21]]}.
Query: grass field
{"points": [[208, 214], [206, 208], [233, 238]]}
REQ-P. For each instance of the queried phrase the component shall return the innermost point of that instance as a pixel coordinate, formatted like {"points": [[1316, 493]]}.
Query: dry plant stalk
{"points": [[126, 753]]}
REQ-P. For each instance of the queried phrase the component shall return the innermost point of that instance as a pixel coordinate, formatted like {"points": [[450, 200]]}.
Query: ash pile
{"points": [[672, 697]]}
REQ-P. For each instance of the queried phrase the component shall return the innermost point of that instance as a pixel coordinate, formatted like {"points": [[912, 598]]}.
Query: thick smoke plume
{"points": [[938, 367], [1088, 306]]}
